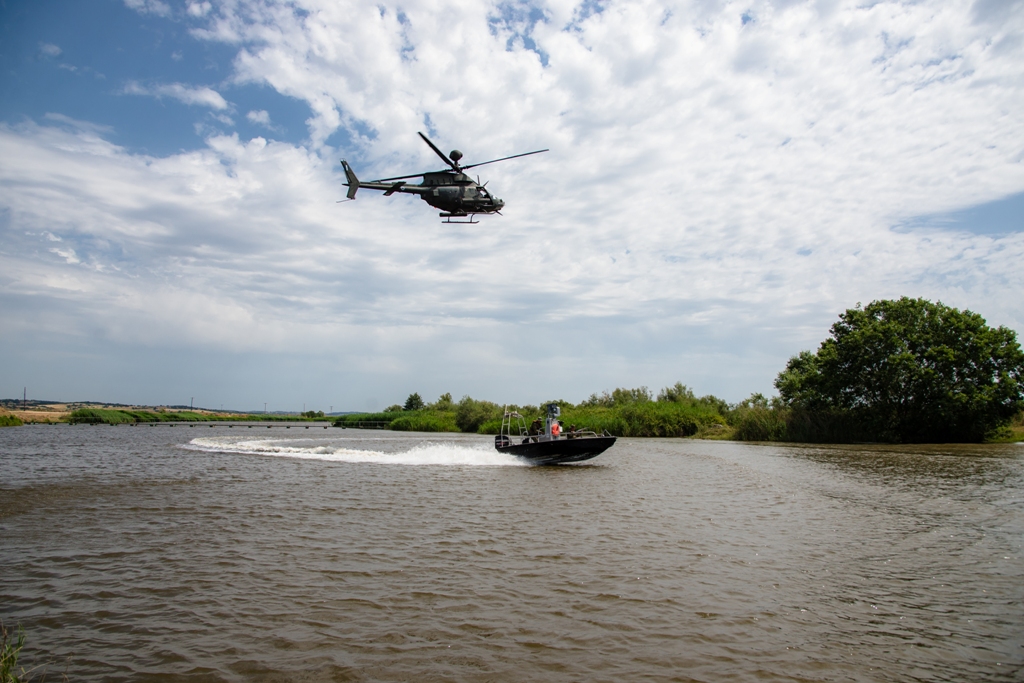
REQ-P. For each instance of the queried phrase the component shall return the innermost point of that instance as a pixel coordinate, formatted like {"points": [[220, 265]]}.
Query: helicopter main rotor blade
{"points": [[455, 166], [514, 156], [405, 177]]}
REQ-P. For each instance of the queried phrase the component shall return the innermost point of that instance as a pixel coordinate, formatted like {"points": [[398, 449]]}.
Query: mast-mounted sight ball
{"points": [[455, 155]]}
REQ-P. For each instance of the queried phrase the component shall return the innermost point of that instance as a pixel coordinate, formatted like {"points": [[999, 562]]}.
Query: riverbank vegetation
{"points": [[624, 412], [10, 421], [754, 419], [11, 645], [127, 416], [900, 371]]}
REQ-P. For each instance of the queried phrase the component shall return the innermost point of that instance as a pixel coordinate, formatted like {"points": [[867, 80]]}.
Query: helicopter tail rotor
{"points": [[353, 181]]}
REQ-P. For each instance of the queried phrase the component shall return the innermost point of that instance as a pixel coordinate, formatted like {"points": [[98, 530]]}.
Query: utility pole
{"points": [[331, 410], [24, 397], [192, 403], [264, 408]]}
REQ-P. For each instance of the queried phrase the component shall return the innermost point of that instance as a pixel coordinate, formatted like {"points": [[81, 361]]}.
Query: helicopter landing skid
{"points": [[449, 216]]}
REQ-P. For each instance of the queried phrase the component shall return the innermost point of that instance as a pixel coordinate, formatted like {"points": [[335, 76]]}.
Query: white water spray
{"points": [[440, 453]]}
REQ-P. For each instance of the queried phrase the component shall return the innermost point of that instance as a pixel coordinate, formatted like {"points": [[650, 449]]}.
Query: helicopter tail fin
{"points": [[353, 181]]}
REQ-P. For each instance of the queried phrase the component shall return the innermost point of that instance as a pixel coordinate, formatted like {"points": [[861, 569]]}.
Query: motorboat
{"points": [[546, 443]]}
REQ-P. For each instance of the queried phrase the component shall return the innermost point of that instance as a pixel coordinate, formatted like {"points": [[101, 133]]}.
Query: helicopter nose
{"points": [[498, 203]]}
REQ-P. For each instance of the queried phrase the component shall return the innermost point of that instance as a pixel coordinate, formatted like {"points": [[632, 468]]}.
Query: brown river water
{"points": [[254, 554]]}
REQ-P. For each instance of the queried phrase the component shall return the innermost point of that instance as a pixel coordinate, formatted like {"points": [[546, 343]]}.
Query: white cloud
{"points": [[717, 191], [201, 96], [156, 7], [68, 255], [49, 49], [260, 117], [199, 9], [88, 127]]}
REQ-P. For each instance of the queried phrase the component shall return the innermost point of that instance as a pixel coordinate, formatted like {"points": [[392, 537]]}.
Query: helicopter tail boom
{"points": [[353, 181]]}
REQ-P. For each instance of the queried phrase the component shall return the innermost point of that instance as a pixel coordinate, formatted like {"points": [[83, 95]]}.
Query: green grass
{"points": [[10, 650], [11, 645], [10, 421]]}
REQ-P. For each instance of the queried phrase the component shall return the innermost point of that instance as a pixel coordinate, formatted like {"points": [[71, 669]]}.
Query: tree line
{"points": [[898, 371]]}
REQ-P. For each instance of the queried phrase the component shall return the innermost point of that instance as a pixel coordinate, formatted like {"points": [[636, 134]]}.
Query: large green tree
{"points": [[910, 371]]}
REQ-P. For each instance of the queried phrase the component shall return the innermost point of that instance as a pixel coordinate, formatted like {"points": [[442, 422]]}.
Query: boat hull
{"points": [[560, 450]]}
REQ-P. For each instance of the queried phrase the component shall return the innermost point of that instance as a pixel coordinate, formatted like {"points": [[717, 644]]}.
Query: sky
{"points": [[724, 179]]}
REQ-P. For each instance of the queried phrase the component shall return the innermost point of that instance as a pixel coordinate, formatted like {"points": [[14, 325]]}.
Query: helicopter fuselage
{"points": [[453, 193]]}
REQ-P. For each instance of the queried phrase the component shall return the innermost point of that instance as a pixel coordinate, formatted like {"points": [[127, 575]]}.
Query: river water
{"points": [[271, 554]]}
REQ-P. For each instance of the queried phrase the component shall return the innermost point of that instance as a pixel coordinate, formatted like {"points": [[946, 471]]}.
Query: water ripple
{"points": [[380, 556]]}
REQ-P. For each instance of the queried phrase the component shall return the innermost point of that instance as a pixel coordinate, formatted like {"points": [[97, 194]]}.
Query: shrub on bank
{"points": [[1011, 433], [10, 421], [471, 414]]}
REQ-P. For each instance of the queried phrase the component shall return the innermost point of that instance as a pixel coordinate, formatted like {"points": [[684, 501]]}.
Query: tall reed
{"points": [[10, 650], [427, 422]]}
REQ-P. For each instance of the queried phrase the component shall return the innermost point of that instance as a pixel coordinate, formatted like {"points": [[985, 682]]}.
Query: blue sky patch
{"points": [[519, 20], [144, 76], [1000, 217]]}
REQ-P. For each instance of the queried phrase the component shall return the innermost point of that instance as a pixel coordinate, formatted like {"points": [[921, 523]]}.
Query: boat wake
{"points": [[311, 449]]}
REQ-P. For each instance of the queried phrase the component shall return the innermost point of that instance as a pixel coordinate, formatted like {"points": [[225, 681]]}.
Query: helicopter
{"points": [[451, 190]]}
